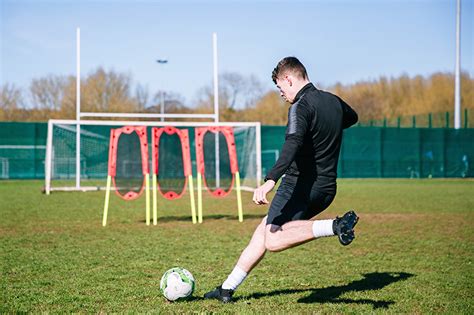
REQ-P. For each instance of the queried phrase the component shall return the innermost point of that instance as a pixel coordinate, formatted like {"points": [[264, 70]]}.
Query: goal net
{"points": [[64, 171]]}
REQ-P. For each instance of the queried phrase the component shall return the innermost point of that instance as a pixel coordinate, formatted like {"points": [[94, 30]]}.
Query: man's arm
{"points": [[298, 123], [349, 116]]}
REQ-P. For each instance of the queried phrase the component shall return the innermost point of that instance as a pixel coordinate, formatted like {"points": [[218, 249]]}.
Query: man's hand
{"points": [[260, 194]]}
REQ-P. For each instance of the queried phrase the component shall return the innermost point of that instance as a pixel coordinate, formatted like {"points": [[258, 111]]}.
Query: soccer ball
{"points": [[177, 283]]}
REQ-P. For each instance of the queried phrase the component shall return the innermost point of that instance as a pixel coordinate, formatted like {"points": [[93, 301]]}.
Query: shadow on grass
{"points": [[371, 281], [207, 217]]}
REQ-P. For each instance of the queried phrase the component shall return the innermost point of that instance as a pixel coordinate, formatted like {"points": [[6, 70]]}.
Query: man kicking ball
{"points": [[308, 165]]}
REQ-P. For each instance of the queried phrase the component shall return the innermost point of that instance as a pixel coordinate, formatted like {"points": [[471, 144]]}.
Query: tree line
{"points": [[241, 98]]}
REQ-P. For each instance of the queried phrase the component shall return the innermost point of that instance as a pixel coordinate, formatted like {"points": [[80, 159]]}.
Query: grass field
{"points": [[414, 253]]}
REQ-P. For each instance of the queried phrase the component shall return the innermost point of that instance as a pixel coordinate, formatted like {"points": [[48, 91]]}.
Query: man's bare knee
{"points": [[273, 244], [272, 238]]}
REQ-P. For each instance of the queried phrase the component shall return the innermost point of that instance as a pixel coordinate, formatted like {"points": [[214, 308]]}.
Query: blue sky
{"points": [[338, 41]]}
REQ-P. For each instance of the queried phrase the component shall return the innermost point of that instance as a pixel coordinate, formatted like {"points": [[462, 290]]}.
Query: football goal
{"points": [[62, 164]]}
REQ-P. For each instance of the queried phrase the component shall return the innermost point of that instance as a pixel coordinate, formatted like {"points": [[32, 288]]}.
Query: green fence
{"points": [[404, 152], [366, 151], [22, 150], [430, 120], [392, 152]]}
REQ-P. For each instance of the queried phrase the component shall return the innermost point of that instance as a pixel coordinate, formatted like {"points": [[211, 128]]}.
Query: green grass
{"points": [[413, 253]]}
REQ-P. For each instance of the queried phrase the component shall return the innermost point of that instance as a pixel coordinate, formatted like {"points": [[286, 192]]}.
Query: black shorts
{"points": [[297, 199]]}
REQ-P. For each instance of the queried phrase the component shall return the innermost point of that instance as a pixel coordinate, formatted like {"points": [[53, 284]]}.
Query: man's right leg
{"points": [[249, 258]]}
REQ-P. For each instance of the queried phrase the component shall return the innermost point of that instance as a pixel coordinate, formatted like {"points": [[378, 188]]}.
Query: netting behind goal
{"points": [[61, 161], [217, 175]]}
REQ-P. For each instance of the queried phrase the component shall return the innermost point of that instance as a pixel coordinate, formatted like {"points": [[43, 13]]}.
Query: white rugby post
{"points": [[80, 115], [457, 79], [78, 108]]}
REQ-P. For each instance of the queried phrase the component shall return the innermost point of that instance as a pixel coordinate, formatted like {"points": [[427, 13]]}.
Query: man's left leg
{"points": [[294, 233], [249, 258]]}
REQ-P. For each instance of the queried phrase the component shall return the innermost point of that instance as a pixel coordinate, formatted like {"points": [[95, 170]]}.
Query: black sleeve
{"points": [[349, 116], [299, 119]]}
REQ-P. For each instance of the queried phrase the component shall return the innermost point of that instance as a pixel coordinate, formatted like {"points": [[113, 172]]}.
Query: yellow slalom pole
{"points": [[239, 196], [147, 196], [191, 195], [199, 191], [107, 197], [155, 201]]}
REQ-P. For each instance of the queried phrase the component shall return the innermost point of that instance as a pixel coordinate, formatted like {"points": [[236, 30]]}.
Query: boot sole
{"points": [[347, 235]]}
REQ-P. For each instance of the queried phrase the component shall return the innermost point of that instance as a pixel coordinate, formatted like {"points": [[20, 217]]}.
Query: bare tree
{"points": [[239, 91], [236, 93], [141, 97], [11, 100], [205, 100], [10, 97], [173, 103], [270, 109], [48, 93], [68, 104], [107, 91], [231, 86]]}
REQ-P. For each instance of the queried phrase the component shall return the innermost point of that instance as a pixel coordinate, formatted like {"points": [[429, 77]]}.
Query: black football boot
{"points": [[220, 294], [343, 227]]}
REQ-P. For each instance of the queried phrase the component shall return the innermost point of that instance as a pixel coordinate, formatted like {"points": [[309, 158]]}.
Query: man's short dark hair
{"points": [[289, 64]]}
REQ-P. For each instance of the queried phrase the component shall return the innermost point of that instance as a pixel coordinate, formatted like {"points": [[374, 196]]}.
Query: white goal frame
{"points": [[53, 122]]}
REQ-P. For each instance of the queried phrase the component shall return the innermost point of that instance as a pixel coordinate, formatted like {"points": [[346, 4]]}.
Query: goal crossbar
{"points": [[144, 115]]}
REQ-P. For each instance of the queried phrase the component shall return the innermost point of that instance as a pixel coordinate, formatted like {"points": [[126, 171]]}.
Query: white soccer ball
{"points": [[177, 283]]}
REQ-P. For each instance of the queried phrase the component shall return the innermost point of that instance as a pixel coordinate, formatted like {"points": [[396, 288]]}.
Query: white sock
{"points": [[236, 277], [322, 228]]}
